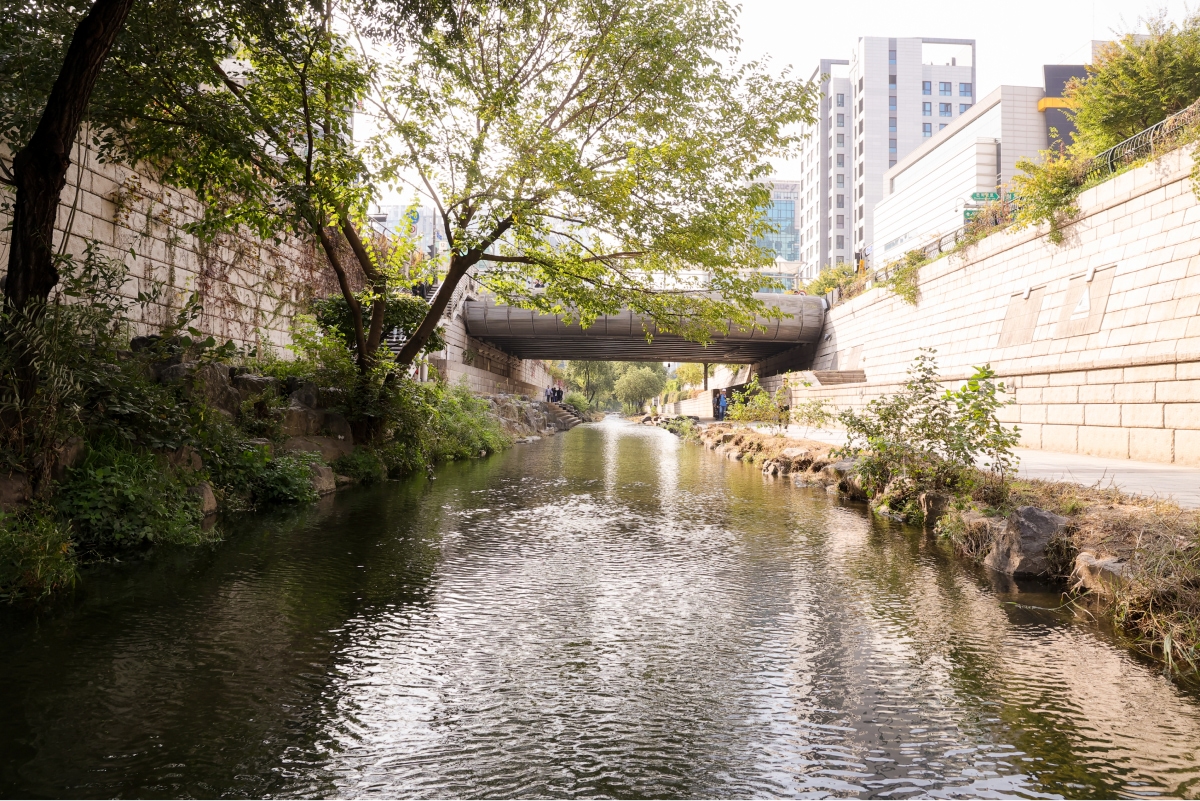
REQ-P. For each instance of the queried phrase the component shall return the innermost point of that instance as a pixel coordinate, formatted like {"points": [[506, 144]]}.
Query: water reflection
{"points": [[609, 612]]}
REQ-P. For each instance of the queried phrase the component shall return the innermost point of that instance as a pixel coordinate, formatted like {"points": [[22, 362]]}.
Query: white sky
{"points": [[1014, 38]]}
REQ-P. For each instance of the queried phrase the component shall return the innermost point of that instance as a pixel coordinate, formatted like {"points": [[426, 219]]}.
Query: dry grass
{"points": [[758, 447], [1158, 603]]}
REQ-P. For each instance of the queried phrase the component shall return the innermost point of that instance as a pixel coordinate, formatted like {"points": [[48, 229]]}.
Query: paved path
{"points": [[1176, 482]]}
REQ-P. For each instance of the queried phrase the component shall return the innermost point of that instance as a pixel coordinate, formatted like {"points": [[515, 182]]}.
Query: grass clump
{"points": [[37, 554]]}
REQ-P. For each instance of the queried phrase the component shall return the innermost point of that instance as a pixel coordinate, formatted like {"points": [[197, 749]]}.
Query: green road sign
{"points": [[969, 214], [985, 196]]}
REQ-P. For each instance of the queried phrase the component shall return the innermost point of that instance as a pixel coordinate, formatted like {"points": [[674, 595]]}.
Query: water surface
{"points": [[609, 612]]}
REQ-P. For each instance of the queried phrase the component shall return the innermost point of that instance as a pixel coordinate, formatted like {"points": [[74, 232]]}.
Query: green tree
{"points": [[606, 151], [637, 386], [1137, 82], [592, 378], [692, 375]]}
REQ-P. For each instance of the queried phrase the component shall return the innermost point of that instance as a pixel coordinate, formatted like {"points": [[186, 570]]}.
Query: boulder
{"points": [[249, 386], [1020, 548], [933, 506], [307, 394], [843, 475], [792, 454], [300, 420], [774, 468], [185, 458], [15, 491], [208, 501], [323, 479], [733, 454], [343, 481], [336, 426], [1101, 576], [68, 455], [208, 383], [329, 448]]}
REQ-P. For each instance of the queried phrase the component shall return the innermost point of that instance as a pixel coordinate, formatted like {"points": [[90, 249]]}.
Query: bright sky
{"points": [[1014, 38]]}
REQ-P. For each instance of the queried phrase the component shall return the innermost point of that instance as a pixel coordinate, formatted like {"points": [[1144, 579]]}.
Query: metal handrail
{"points": [[1142, 143]]}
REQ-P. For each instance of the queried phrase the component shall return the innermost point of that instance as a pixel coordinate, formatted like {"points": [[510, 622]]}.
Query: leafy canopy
{"points": [[603, 152], [638, 385], [1137, 82]]}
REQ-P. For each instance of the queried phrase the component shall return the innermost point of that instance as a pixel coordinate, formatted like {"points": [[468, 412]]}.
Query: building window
{"points": [[841, 121], [892, 124], [892, 103], [841, 180], [892, 57], [964, 90], [945, 110], [892, 82], [941, 126], [841, 201], [944, 88], [841, 140], [841, 243], [841, 101], [926, 87], [860, 84], [841, 159], [891, 162], [926, 109], [841, 221], [927, 129], [962, 107], [892, 146]]}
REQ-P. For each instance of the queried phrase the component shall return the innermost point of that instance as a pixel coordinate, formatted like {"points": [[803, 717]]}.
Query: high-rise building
{"points": [[882, 103], [784, 241]]}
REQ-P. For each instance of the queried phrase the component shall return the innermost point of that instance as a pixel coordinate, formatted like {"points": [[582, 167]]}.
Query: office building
{"points": [[882, 103], [930, 192], [784, 241]]}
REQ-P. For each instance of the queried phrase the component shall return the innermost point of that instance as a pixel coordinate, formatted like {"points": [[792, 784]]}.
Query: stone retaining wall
{"points": [[250, 288], [1098, 338]]}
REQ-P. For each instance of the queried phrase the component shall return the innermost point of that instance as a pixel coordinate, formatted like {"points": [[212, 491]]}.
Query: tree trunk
{"points": [[416, 343], [40, 168]]}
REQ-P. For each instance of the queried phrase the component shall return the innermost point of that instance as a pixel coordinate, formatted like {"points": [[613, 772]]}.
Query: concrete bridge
{"points": [[622, 337]]}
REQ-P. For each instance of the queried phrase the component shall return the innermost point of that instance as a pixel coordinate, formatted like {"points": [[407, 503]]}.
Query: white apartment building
{"points": [[885, 101], [928, 192], [822, 208]]}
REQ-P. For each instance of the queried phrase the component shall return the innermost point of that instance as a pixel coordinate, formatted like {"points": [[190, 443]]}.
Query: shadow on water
{"points": [[606, 613]]}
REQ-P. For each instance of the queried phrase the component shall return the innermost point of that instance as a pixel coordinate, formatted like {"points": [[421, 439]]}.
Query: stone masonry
{"points": [[1097, 339]]}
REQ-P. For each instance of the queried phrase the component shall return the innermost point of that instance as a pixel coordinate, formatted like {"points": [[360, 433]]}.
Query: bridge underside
{"points": [[622, 337]]}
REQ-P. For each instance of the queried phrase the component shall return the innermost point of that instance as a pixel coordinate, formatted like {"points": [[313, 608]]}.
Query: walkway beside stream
{"points": [[1179, 483]]}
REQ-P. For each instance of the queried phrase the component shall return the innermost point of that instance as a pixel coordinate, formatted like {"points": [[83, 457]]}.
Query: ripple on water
{"points": [[605, 613]]}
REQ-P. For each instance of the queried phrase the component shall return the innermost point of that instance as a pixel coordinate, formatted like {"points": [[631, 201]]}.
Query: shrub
{"points": [[37, 555], [462, 427], [814, 413], [363, 465], [755, 405], [578, 400], [903, 276], [119, 497], [929, 439], [404, 311], [286, 479], [1046, 193]]}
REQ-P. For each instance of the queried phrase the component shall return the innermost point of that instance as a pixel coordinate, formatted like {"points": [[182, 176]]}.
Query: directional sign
{"points": [[969, 214], [985, 196]]}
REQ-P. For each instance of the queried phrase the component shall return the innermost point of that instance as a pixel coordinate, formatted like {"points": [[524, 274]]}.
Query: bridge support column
{"points": [[704, 367]]}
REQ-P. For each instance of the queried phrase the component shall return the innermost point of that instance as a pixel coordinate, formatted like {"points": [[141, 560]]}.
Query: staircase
{"points": [[567, 415]]}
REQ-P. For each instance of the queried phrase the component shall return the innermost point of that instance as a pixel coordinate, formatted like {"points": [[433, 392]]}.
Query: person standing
{"points": [[722, 405]]}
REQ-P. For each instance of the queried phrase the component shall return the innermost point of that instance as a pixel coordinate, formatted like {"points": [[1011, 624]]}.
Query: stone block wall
{"points": [[487, 370], [250, 288], [1097, 338]]}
